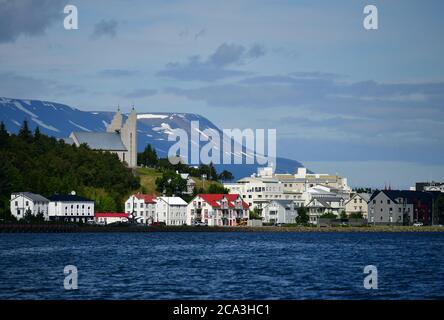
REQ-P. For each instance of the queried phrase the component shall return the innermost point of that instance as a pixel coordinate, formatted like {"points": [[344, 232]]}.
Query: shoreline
{"points": [[23, 228]]}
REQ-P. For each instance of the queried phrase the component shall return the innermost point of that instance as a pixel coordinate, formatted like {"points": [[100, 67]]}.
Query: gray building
{"points": [[390, 207]]}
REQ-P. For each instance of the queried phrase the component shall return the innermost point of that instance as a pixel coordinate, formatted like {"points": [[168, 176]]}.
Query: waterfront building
{"points": [[171, 210], [401, 207], [265, 186], [21, 202], [257, 191], [280, 212], [141, 208], [110, 217], [358, 203], [70, 208], [217, 210], [319, 206]]}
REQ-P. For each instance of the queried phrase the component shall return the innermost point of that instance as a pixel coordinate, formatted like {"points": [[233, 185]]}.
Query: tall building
{"points": [[119, 138]]}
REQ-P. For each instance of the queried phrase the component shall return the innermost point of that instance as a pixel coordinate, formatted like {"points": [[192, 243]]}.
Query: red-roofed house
{"points": [[110, 217], [217, 210], [142, 207]]}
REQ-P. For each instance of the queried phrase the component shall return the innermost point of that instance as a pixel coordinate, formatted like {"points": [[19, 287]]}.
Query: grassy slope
{"points": [[148, 178]]}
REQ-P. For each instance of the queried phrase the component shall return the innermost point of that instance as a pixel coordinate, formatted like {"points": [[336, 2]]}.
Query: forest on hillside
{"points": [[34, 162]]}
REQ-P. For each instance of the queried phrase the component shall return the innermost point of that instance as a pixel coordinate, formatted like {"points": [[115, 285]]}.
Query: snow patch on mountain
{"points": [[165, 127], [44, 125], [22, 108], [151, 116], [79, 126]]}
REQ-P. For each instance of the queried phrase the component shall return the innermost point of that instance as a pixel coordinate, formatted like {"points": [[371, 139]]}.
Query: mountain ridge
{"points": [[59, 120]]}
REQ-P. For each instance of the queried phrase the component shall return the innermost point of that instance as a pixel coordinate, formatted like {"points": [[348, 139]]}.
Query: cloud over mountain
{"points": [[218, 65]]}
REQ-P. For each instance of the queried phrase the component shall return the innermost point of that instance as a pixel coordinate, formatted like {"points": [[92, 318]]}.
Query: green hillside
{"points": [[40, 164]]}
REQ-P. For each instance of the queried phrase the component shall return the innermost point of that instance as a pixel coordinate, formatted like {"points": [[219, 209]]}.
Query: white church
{"points": [[119, 138]]}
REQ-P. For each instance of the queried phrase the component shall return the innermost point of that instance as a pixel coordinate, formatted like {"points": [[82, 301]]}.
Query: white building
{"points": [[265, 186], [323, 205], [171, 210], [280, 211], [142, 207], [110, 217], [358, 203], [21, 202], [71, 208], [257, 191], [217, 210]]}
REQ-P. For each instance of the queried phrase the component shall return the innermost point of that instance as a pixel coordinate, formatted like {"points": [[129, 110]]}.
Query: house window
{"points": [[27, 203], [388, 201]]}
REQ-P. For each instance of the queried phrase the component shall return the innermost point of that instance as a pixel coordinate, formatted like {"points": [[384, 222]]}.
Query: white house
{"points": [[142, 207], [21, 202], [171, 210], [217, 210], [322, 205], [191, 184], [71, 208], [280, 211], [110, 217], [358, 203]]}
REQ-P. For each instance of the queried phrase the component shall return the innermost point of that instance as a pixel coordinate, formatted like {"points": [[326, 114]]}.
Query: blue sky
{"points": [[365, 104]]}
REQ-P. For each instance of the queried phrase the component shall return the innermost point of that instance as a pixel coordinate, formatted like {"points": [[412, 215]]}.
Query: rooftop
{"points": [[32, 196], [68, 198], [101, 140]]}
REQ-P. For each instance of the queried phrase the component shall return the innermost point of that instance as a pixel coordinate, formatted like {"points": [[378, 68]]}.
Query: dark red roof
{"points": [[214, 199], [146, 197], [111, 215]]}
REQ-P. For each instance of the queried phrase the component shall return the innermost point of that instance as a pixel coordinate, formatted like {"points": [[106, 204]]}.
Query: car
{"points": [[418, 224], [199, 224]]}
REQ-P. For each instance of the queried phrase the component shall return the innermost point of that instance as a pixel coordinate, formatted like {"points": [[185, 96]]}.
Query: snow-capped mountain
{"points": [[59, 120]]}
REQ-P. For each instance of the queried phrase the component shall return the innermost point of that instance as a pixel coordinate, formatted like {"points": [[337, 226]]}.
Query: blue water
{"points": [[222, 265]]}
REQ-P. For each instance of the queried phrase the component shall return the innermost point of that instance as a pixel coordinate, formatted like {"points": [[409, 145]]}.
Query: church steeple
{"points": [[116, 123], [129, 137]]}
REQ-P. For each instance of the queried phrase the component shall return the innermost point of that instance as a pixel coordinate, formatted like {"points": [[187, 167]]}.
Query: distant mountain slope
{"points": [[60, 120]]}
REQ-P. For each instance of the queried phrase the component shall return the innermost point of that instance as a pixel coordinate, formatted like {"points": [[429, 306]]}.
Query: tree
{"points": [[171, 183], [226, 176], [3, 134], [39, 217], [148, 157], [28, 217], [328, 215], [343, 215], [37, 133], [255, 214], [24, 131], [217, 188], [303, 216], [356, 215]]}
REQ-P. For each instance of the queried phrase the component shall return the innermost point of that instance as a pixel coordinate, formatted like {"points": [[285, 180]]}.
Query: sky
{"points": [[367, 104]]}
